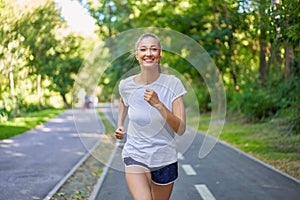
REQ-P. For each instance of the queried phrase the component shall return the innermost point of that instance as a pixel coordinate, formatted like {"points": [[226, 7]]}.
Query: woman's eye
{"points": [[153, 49]]}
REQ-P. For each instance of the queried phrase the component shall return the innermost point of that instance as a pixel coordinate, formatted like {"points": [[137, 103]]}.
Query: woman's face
{"points": [[148, 52]]}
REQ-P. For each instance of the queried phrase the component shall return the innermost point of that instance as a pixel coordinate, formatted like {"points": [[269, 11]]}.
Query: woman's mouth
{"points": [[148, 60]]}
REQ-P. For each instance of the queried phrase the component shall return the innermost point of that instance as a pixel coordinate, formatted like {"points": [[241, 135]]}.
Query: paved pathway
{"points": [[226, 174], [33, 163]]}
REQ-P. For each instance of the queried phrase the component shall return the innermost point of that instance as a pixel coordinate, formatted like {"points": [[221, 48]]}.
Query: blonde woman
{"points": [[154, 104]]}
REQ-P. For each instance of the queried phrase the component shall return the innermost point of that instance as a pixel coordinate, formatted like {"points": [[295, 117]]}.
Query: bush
{"points": [[271, 100], [293, 103], [258, 104], [294, 121]]}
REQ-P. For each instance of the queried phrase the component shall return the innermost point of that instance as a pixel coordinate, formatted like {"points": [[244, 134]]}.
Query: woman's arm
{"points": [[119, 133], [175, 119]]}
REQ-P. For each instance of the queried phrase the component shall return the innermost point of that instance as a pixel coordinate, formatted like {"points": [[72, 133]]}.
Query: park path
{"points": [[225, 173], [34, 163]]}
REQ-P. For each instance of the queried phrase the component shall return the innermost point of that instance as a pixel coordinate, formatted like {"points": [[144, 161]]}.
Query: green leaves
{"points": [[39, 57]]}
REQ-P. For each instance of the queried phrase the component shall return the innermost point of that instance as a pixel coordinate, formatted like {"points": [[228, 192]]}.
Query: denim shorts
{"points": [[160, 175]]}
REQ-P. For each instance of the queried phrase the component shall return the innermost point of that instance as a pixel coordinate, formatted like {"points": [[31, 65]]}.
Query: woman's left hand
{"points": [[151, 97]]}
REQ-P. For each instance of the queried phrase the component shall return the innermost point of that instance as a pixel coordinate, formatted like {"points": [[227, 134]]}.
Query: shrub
{"points": [[258, 104]]}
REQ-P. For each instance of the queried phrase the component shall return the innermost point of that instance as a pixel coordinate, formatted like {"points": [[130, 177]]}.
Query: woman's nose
{"points": [[148, 52]]}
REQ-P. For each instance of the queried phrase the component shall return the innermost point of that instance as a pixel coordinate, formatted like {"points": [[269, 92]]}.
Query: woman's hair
{"points": [[146, 35]]}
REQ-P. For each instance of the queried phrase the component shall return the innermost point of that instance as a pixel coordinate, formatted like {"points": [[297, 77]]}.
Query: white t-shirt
{"points": [[150, 140]]}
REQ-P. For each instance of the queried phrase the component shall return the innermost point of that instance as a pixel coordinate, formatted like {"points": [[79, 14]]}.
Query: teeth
{"points": [[148, 60]]}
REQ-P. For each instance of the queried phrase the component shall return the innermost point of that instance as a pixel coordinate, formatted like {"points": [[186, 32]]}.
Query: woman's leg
{"points": [[139, 182], [161, 192]]}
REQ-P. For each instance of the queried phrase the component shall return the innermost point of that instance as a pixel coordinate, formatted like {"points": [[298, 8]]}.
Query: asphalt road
{"points": [[226, 174], [33, 163]]}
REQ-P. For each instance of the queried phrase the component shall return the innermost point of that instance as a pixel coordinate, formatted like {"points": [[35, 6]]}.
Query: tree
{"points": [[38, 56], [39, 31], [64, 65], [12, 56], [250, 42]]}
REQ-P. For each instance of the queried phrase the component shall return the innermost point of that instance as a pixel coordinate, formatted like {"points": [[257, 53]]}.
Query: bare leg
{"points": [[161, 192], [139, 182]]}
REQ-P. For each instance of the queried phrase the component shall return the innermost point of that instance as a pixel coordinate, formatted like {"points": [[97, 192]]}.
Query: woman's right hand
{"points": [[119, 133]]}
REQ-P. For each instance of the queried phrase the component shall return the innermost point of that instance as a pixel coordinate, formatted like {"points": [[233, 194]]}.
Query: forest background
{"points": [[255, 44]]}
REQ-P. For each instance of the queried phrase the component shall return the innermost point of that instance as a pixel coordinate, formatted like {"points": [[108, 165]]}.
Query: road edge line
{"points": [[102, 177], [78, 164], [107, 166], [260, 162], [71, 172], [252, 158]]}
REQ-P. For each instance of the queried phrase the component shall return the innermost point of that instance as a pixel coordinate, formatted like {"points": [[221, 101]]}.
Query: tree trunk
{"points": [[12, 93], [39, 89], [65, 101], [12, 88], [289, 59], [275, 59], [233, 70], [11, 83], [288, 55], [263, 68]]}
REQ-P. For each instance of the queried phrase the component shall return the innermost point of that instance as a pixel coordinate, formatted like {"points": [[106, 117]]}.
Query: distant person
{"points": [[87, 101], [156, 112]]}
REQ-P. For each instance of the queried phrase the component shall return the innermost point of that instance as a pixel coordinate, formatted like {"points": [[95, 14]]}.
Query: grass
{"points": [[24, 123], [81, 184], [268, 141]]}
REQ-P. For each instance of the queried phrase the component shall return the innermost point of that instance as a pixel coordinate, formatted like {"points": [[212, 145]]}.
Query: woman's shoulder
{"points": [[126, 82], [169, 78], [127, 79]]}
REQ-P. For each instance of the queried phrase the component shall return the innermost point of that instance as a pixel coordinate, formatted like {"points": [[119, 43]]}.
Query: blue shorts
{"points": [[160, 175]]}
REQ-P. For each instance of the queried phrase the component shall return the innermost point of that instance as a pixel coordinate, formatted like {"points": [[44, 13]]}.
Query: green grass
{"points": [[268, 141], [24, 123], [109, 128]]}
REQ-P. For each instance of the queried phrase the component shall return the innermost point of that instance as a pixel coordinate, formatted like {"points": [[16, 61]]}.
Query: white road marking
{"points": [[189, 170], [204, 192], [180, 156]]}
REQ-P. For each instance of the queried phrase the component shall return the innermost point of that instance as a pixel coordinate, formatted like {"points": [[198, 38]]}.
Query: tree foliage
{"points": [[255, 45], [39, 57]]}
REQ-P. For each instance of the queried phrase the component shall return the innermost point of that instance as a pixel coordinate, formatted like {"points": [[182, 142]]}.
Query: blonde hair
{"points": [[146, 35]]}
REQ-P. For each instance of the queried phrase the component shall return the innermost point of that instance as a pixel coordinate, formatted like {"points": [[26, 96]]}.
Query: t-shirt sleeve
{"points": [[179, 89], [122, 92]]}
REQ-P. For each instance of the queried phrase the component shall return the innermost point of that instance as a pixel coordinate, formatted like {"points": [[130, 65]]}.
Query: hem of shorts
{"points": [[136, 165], [162, 184], [150, 166], [164, 164]]}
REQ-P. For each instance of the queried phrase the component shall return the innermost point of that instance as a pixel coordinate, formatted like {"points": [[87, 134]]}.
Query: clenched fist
{"points": [[151, 97], [119, 133]]}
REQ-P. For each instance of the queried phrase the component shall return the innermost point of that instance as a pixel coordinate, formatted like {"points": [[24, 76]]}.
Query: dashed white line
{"points": [[204, 192], [189, 170], [180, 156]]}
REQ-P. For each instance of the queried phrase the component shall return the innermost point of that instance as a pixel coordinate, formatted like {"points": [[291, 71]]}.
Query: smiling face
{"points": [[148, 52]]}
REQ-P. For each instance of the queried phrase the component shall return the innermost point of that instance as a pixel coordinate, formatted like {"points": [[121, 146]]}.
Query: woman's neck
{"points": [[147, 76]]}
